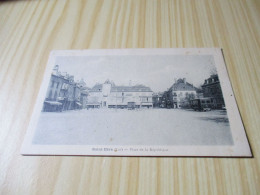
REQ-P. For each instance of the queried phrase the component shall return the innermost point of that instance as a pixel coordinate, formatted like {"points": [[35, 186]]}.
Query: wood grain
{"points": [[29, 30]]}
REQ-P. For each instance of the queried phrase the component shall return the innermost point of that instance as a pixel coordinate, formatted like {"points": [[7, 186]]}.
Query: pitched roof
{"points": [[109, 82], [114, 88], [136, 88], [181, 85], [96, 88], [213, 79]]}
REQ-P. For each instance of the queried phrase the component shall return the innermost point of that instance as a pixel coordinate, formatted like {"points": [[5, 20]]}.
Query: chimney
{"points": [[56, 69], [184, 80]]}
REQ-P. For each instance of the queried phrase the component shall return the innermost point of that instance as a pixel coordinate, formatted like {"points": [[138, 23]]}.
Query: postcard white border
{"points": [[240, 148]]}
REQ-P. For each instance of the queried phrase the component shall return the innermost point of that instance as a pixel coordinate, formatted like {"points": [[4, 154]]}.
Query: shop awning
{"points": [[78, 103], [147, 103], [53, 103], [94, 103], [60, 98]]}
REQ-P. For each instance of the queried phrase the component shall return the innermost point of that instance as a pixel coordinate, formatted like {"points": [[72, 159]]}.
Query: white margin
{"points": [[240, 148]]}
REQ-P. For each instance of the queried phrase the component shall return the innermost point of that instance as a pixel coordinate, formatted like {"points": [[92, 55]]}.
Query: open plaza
{"points": [[133, 127]]}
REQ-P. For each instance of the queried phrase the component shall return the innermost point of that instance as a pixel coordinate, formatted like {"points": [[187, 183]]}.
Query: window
{"points": [[52, 83], [55, 84], [63, 86], [55, 95], [50, 94]]}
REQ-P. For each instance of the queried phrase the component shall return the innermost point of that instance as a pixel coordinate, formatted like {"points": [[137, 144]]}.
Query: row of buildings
{"points": [[65, 94], [180, 94], [109, 95]]}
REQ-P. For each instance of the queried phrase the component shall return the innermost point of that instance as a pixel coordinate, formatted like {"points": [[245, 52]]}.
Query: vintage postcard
{"points": [[136, 102]]}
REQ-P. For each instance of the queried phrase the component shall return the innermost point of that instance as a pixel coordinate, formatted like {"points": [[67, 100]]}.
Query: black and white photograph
{"points": [[136, 102]]}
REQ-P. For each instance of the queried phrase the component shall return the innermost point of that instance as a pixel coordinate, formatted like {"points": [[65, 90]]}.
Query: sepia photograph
{"points": [[142, 102]]}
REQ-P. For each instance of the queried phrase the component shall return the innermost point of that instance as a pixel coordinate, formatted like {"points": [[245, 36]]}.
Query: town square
{"points": [[134, 127], [144, 102]]}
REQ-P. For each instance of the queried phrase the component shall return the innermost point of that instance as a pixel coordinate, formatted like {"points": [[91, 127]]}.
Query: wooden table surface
{"points": [[29, 30]]}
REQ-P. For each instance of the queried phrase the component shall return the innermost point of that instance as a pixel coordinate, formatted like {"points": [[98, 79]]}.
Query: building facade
{"points": [[108, 95], [212, 89], [180, 94], [158, 100], [63, 93]]}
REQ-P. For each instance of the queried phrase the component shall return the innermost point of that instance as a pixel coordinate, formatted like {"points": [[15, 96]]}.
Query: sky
{"points": [[157, 72]]}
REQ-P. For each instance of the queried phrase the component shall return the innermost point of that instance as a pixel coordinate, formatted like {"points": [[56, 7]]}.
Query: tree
{"points": [[189, 96]]}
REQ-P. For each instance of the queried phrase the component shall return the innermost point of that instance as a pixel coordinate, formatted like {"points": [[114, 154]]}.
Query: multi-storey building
{"points": [[63, 93], [179, 94], [108, 95], [212, 89], [158, 100]]}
